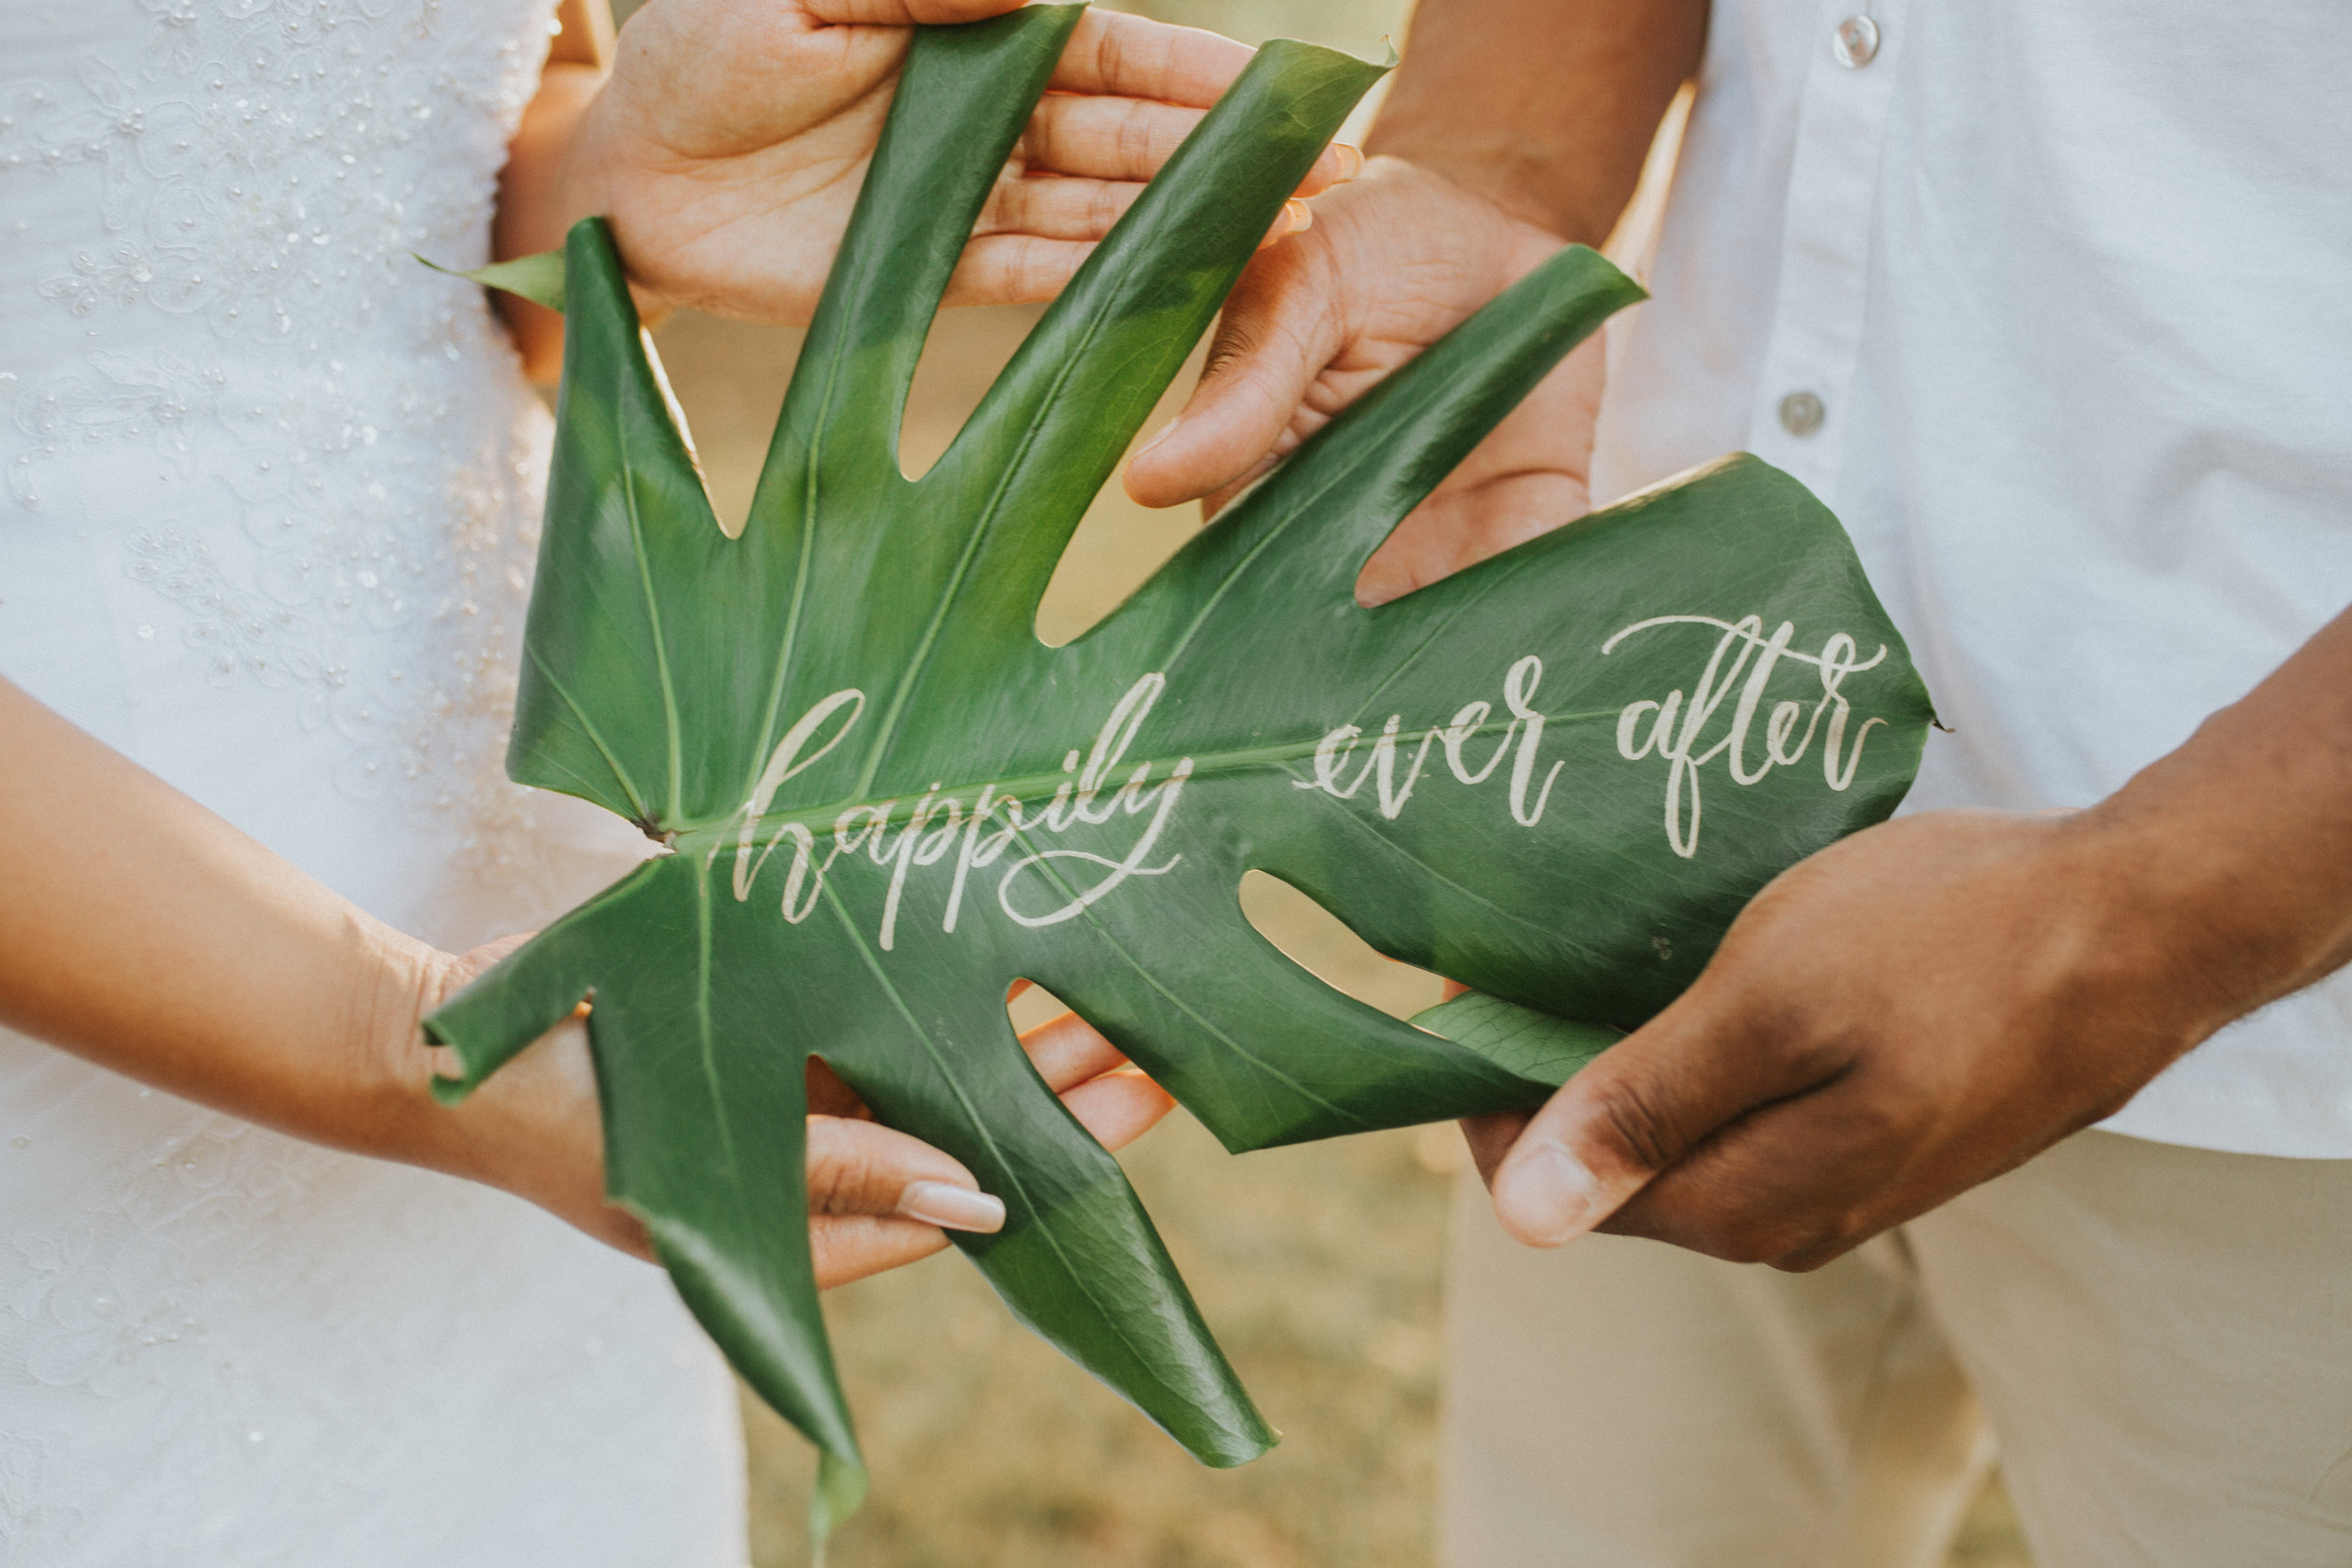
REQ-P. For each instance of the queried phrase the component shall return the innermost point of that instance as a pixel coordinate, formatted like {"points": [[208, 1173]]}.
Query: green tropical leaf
{"points": [[1556, 776], [538, 279], [1540, 1046]]}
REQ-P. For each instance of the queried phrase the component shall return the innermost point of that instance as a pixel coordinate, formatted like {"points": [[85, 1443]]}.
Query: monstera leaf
{"points": [[1555, 777]]}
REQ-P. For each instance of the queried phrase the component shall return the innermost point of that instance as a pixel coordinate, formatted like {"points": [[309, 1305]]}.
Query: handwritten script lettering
{"points": [[1521, 741], [1673, 727], [993, 838], [1681, 728], [1036, 887]]}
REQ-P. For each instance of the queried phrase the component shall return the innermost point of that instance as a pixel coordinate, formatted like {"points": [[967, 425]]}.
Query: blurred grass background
{"points": [[1318, 1267]]}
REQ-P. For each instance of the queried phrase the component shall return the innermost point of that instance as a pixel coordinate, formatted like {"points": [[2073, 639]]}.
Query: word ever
{"points": [[1521, 739], [1671, 728], [976, 833]]}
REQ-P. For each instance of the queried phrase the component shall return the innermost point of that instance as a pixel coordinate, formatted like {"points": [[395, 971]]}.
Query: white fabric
{"points": [[2069, 277], [270, 489]]}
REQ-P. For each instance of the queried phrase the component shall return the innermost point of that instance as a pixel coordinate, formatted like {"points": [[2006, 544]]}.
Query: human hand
{"points": [[1395, 260], [868, 1221], [728, 145], [878, 1199], [1906, 1014]]}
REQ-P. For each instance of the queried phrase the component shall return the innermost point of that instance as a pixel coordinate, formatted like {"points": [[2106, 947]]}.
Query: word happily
{"points": [[972, 834]]}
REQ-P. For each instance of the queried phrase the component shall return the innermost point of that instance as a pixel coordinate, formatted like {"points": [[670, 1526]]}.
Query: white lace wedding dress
{"points": [[265, 526]]}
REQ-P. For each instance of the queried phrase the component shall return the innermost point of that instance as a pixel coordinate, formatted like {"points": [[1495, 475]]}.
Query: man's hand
{"points": [[729, 142], [1902, 1016], [1396, 258], [1933, 1001], [1513, 126]]}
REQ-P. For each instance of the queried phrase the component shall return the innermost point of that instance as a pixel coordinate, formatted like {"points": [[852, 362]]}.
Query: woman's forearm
{"points": [[533, 214], [144, 933]]}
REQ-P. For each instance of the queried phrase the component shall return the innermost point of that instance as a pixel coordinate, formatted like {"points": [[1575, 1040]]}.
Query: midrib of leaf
{"points": [[789, 642], [837, 318], [986, 522], [718, 833], [596, 736], [1112, 942], [1436, 629], [978, 1123], [706, 1034], [930, 1048], [1234, 573], [660, 646], [1356, 820]]}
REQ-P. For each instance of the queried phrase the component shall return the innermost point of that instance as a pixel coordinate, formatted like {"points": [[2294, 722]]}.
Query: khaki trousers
{"points": [[2159, 1339]]}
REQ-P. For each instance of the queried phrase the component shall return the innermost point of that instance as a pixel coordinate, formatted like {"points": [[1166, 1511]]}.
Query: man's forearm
{"points": [[1546, 106], [2242, 838]]}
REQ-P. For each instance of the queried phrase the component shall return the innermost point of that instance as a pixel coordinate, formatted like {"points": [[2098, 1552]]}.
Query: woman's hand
{"points": [[729, 141], [147, 935], [878, 1199]]}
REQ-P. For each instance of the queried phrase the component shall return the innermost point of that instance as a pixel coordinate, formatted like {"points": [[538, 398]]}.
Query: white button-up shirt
{"points": [[2051, 301]]}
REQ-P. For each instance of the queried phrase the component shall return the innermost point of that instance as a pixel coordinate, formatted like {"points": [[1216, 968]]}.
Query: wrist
{"points": [[393, 1114], [1497, 172], [549, 179], [547, 186], [2196, 918], [1516, 242]]}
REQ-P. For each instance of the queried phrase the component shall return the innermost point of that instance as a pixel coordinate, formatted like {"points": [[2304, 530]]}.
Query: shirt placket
{"points": [[1799, 421]]}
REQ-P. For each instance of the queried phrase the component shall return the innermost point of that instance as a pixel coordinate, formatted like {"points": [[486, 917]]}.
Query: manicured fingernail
{"points": [[1351, 161], [1297, 217], [951, 1208], [1547, 1196]]}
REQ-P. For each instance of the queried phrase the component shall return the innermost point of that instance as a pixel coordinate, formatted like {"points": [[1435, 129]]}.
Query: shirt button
{"points": [[1855, 42], [1800, 413]]}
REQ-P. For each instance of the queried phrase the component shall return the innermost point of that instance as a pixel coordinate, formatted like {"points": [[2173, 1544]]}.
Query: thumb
{"points": [[862, 1167], [1639, 1108], [1278, 332], [905, 13]]}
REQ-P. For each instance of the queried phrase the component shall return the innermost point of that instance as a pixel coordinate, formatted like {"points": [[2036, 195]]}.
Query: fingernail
{"points": [[1351, 161], [951, 1208], [1546, 1197], [1297, 216], [1157, 437]]}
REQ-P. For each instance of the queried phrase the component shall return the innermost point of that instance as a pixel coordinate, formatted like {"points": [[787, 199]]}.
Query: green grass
{"points": [[1315, 1265]]}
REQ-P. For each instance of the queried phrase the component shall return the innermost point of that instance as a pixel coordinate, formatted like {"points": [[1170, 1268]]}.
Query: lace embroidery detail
{"points": [[33, 1524], [245, 161], [253, 1317], [104, 1305], [307, 472], [267, 166]]}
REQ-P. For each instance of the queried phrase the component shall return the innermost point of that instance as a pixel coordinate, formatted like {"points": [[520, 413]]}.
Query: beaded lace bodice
{"points": [[211, 214], [267, 496]]}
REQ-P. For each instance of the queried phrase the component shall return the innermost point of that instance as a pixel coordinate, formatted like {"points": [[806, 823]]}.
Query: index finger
{"points": [[1132, 57], [1068, 1051]]}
